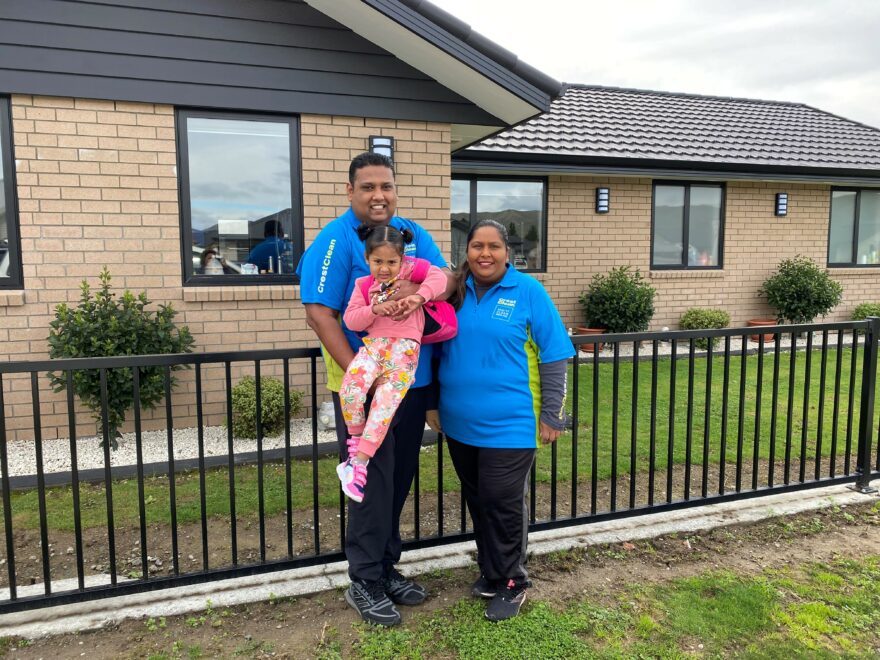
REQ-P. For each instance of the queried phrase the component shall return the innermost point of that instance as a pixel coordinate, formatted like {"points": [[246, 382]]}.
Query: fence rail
{"points": [[659, 421]]}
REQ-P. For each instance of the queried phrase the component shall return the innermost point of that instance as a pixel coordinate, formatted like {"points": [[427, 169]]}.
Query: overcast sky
{"points": [[825, 53]]}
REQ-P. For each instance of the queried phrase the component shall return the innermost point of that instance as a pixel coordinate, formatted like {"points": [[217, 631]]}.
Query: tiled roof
{"points": [[608, 122]]}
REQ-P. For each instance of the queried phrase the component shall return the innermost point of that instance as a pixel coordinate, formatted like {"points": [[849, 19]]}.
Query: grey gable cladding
{"points": [[257, 55], [625, 127]]}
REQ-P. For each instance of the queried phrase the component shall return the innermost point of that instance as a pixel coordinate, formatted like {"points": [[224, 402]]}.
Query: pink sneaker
{"points": [[353, 477], [352, 443]]}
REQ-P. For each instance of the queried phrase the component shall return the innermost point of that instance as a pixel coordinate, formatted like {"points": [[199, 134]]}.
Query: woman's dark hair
{"points": [[374, 236], [463, 269]]}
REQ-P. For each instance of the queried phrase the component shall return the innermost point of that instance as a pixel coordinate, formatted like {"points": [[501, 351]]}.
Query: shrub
{"points": [[863, 311], [619, 301], [101, 326], [244, 406], [800, 291], [697, 318]]}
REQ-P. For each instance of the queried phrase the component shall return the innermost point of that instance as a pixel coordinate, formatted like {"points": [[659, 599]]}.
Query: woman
{"points": [[502, 390]]}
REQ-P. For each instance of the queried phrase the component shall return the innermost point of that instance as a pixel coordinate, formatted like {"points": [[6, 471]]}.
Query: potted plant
{"points": [[800, 290], [618, 301]]}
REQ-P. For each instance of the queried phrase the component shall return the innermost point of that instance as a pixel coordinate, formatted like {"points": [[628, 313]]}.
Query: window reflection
{"points": [[516, 204], [240, 196], [854, 233], [687, 227]]}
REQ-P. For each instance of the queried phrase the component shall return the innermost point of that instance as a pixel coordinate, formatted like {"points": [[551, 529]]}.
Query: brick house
{"points": [[144, 135], [692, 184]]}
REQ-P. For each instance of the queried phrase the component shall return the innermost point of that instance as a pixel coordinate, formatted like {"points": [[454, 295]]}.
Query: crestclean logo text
{"points": [[325, 265]]}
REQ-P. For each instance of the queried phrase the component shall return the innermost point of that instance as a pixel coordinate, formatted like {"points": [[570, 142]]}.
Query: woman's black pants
{"points": [[494, 483]]}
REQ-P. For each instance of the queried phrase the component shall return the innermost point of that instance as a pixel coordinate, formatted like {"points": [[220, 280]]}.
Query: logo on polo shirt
{"points": [[503, 309]]}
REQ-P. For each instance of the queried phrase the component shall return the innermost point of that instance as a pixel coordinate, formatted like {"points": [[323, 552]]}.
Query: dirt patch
{"points": [[295, 628], [610, 495]]}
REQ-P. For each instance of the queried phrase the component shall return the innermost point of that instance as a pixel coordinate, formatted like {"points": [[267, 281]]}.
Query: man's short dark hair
{"points": [[271, 228], [367, 159]]}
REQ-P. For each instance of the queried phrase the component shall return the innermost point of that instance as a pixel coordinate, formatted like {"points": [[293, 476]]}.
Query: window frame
{"points": [[855, 237], [16, 275], [297, 234], [686, 222], [544, 181]]}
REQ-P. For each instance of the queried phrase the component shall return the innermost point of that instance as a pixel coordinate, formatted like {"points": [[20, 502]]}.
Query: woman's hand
{"points": [[432, 417], [548, 433], [406, 306]]}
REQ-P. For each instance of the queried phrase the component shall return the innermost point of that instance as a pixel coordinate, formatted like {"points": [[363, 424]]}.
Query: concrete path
{"points": [[168, 602]]}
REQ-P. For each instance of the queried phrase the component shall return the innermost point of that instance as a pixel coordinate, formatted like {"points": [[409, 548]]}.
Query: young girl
{"points": [[390, 350]]}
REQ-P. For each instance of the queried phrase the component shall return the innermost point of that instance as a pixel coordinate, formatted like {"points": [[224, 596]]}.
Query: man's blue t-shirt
{"points": [[490, 388], [278, 249], [335, 259]]}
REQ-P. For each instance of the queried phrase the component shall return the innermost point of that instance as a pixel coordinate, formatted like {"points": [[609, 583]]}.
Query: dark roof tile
{"points": [[610, 122]]}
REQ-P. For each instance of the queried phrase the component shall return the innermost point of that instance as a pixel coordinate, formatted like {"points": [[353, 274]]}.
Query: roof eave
{"points": [[527, 163], [431, 41]]}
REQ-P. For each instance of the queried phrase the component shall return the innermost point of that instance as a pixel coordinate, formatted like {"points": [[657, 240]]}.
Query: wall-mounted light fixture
{"points": [[603, 200], [380, 144], [781, 204]]}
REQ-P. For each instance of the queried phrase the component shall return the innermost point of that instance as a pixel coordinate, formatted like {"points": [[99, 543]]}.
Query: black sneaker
{"points": [[403, 591], [507, 601], [370, 601], [483, 588]]}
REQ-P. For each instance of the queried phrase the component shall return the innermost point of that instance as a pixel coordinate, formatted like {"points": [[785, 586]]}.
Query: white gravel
{"points": [[90, 454]]}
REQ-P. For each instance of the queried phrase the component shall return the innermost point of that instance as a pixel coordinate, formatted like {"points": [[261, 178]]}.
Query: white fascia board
{"points": [[422, 55]]}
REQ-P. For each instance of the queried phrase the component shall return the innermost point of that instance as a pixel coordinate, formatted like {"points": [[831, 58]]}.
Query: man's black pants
{"points": [[494, 484], [372, 539]]}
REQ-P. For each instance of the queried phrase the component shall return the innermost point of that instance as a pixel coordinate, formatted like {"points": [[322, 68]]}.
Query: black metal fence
{"points": [[659, 421]]}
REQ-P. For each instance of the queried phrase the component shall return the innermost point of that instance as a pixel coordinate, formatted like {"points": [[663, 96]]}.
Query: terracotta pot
{"points": [[589, 348], [762, 323]]}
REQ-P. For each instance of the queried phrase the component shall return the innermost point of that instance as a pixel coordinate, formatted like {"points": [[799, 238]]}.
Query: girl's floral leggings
{"points": [[395, 360]]}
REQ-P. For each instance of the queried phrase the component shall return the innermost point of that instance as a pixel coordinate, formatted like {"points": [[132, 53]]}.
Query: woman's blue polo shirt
{"points": [[329, 267], [490, 389]]}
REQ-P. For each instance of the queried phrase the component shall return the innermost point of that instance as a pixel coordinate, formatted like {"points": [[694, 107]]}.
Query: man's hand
{"points": [[548, 433], [432, 417], [406, 306]]}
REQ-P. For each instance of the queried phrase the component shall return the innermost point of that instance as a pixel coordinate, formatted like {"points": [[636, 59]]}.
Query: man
{"points": [[273, 253], [327, 273]]}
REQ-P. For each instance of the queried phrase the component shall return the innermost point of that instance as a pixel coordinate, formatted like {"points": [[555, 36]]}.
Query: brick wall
{"points": [[582, 243], [97, 184]]}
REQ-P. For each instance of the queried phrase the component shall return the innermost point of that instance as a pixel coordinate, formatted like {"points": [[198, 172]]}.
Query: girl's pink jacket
{"points": [[359, 313]]}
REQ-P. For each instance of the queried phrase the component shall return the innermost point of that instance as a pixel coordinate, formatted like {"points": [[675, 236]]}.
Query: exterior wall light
{"points": [[781, 204], [603, 200], [380, 144]]}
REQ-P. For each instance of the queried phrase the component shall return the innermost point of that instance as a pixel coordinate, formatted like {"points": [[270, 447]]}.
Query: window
{"points": [[854, 234], [687, 230], [518, 204], [10, 250], [240, 198]]}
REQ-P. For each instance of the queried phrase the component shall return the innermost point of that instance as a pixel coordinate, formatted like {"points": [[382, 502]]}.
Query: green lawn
{"points": [[689, 418], [813, 611]]}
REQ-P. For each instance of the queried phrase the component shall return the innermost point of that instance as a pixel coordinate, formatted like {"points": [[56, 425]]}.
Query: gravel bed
{"points": [[90, 454], [736, 345]]}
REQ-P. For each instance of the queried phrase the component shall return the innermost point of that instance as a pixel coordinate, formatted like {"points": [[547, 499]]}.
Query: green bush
{"points": [[801, 290], [101, 326], [619, 301], [863, 311], [697, 318], [244, 406]]}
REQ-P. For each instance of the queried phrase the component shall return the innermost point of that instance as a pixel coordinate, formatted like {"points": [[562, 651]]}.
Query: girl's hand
{"points": [[548, 433], [387, 308]]}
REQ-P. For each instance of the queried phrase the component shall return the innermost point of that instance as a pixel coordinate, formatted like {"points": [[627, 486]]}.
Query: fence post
{"points": [[866, 410]]}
